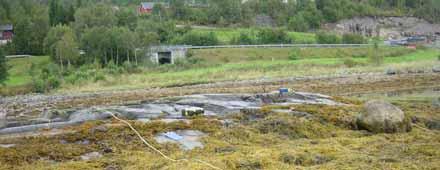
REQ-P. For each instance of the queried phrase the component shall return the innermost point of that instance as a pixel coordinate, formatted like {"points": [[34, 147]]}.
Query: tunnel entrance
{"points": [[165, 58]]}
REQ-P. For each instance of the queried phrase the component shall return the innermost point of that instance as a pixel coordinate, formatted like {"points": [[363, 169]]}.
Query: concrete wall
{"points": [[176, 53]]}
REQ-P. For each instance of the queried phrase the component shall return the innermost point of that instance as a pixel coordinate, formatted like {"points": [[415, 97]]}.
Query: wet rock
{"points": [[91, 156], [382, 117], [436, 69], [187, 139]]}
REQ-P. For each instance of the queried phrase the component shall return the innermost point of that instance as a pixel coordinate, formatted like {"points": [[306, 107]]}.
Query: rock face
{"points": [[383, 117]]}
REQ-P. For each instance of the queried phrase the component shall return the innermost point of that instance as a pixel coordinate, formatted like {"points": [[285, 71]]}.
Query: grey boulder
{"points": [[436, 69], [3, 121], [382, 117]]}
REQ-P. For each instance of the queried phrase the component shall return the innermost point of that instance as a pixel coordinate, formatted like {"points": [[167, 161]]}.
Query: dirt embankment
{"points": [[35, 104]]}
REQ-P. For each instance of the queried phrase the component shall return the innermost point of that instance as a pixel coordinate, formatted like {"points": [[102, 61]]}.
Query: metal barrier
{"points": [[282, 46]]}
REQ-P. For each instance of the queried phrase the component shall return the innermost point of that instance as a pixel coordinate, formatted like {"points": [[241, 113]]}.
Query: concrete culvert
{"points": [[382, 117]]}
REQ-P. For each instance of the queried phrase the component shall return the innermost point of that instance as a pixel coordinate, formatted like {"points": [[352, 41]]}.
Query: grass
{"points": [[237, 64], [225, 35], [20, 67], [229, 66], [273, 141]]}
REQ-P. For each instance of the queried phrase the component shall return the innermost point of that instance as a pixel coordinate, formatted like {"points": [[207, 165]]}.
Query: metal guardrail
{"points": [[282, 46], [17, 56]]}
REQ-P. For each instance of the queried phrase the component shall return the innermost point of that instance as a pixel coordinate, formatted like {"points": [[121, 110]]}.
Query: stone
{"points": [[436, 69], [188, 139], [91, 156], [3, 121], [192, 111], [382, 117], [391, 72], [101, 128]]}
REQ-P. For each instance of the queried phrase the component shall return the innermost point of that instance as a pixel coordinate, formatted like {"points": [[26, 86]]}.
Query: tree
{"points": [[3, 67], [67, 50], [54, 36], [99, 15], [298, 23]]}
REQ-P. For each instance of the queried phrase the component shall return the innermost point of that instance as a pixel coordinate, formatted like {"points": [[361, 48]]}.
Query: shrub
{"points": [[244, 38], [327, 38], [438, 57], [271, 36], [353, 39], [294, 54], [46, 79]]}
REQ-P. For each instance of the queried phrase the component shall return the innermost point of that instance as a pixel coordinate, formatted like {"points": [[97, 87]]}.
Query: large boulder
{"points": [[3, 121], [436, 69], [382, 117]]}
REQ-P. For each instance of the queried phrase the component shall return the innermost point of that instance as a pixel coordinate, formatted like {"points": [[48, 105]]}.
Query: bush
{"points": [[438, 57], [46, 79], [199, 39], [353, 39], [327, 38], [273, 36], [295, 54], [244, 38]]}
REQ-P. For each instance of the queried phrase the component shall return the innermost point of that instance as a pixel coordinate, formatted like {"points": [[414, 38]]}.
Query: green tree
{"points": [[298, 23], [99, 15], [3, 67], [67, 50], [54, 36]]}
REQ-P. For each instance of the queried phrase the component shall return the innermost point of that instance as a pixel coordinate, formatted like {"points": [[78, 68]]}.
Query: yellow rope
{"points": [[156, 150]]}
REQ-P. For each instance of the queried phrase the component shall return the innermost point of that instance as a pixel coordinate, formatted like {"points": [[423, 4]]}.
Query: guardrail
{"points": [[17, 56], [282, 46]]}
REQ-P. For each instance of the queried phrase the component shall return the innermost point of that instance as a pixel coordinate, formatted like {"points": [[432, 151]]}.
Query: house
{"points": [[147, 7], [6, 32]]}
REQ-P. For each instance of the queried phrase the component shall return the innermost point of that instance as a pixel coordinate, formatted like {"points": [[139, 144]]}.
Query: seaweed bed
{"points": [[272, 137]]}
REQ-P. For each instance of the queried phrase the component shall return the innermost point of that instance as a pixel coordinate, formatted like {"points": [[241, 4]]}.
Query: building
{"points": [[147, 7], [167, 54], [6, 33]]}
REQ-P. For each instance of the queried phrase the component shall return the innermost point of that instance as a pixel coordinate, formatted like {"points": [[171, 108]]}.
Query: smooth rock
{"points": [[391, 72], [436, 69], [91, 156], [187, 139], [3, 121], [382, 117]]}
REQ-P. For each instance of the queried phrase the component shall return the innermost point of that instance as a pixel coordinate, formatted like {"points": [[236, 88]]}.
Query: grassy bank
{"points": [[214, 65], [225, 68]]}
